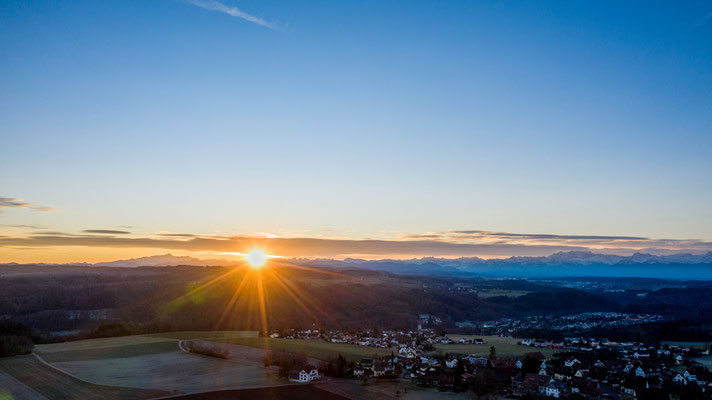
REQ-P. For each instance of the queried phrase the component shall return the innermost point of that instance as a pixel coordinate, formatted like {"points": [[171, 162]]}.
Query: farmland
{"points": [[174, 370], [206, 335], [313, 348], [53, 384], [506, 347], [150, 362]]}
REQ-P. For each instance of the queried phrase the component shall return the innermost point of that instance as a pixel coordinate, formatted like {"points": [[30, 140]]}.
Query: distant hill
{"points": [[165, 260], [563, 264], [573, 263]]}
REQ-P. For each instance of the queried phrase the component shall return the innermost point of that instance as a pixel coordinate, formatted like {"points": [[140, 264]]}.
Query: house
{"points": [[586, 387], [581, 373], [532, 384], [499, 363], [306, 373], [640, 372], [679, 380], [555, 389], [570, 362]]}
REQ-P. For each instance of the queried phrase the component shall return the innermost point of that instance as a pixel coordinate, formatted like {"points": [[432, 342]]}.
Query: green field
{"points": [[53, 384], [705, 361], [207, 335], [318, 349], [173, 370], [506, 347], [102, 353], [156, 362], [692, 345], [487, 293], [128, 346], [92, 344]]}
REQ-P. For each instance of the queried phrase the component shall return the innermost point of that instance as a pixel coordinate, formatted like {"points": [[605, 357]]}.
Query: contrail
{"points": [[215, 5]]}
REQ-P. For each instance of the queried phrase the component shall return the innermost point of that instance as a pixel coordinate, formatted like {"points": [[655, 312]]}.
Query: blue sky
{"points": [[356, 119]]}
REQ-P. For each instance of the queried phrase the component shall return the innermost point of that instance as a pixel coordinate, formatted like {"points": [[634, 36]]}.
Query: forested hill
{"points": [[51, 299]]}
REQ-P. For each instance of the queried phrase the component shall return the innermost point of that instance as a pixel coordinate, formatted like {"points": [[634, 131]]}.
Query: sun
{"points": [[256, 258]]}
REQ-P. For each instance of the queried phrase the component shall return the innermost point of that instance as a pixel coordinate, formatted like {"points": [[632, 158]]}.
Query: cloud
{"points": [[23, 226], [431, 244], [706, 18], [547, 236], [215, 5], [106, 232], [11, 202], [292, 247]]}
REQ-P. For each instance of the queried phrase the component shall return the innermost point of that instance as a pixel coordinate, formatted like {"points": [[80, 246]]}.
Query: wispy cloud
{"points": [[106, 232], [448, 244], [11, 202], [703, 20], [215, 5], [23, 226]]}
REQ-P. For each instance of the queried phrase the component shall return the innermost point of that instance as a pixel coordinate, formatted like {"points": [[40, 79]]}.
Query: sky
{"points": [[366, 128]]}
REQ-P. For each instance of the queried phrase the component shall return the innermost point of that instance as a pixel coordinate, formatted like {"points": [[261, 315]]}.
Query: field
{"points": [[103, 353], [11, 388], [506, 347], [207, 335], [692, 345], [318, 349], [705, 361], [145, 366], [487, 293], [272, 393], [53, 384], [93, 344], [156, 362], [174, 370]]}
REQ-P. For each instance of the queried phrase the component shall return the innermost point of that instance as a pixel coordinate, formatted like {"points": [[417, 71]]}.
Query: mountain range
{"points": [[573, 263]]}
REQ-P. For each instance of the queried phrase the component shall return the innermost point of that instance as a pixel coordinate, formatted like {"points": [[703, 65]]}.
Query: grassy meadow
{"points": [[206, 335], [155, 362], [53, 384], [506, 347], [318, 349]]}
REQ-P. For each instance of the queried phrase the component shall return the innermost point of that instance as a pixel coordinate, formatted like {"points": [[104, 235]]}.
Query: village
{"points": [[571, 322], [577, 367]]}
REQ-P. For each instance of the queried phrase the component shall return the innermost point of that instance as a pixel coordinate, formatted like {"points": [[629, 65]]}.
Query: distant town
{"points": [[576, 367]]}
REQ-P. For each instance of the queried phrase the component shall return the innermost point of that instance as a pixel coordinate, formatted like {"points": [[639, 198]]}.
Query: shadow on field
{"points": [[292, 392]]}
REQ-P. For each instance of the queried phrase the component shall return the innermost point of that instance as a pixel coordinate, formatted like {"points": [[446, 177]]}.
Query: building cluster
{"points": [[584, 369], [423, 339], [590, 368], [566, 323]]}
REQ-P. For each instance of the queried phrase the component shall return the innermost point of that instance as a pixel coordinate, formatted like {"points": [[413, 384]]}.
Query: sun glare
{"points": [[256, 258]]}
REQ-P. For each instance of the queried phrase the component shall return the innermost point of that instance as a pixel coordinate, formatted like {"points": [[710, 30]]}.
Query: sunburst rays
{"points": [[249, 303]]}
